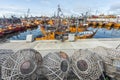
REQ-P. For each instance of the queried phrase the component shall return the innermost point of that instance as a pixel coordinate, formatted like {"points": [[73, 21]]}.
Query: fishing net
{"points": [[111, 59], [86, 65], [56, 66], [4, 53], [22, 65]]}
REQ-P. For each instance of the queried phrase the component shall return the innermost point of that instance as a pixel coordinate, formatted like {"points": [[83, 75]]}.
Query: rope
{"points": [[117, 46]]}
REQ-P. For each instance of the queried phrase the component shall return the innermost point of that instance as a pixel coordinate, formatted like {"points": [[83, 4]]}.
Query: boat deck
{"points": [[46, 46]]}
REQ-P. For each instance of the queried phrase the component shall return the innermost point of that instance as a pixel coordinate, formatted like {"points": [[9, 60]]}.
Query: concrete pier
{"points": [[47, 46]]}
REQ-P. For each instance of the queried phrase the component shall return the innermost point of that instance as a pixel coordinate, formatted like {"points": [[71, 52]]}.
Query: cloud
{"points": [[9, 10], [115, 6]]}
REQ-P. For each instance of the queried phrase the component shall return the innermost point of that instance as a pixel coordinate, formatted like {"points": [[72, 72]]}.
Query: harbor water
{"points": [[22, 35], [104, 33], [101, 33]]}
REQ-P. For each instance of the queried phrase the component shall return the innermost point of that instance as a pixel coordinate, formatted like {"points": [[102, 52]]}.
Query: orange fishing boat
{"points": [[116, 26], [18, 27], [74, 29], [89, 23], [48, 33], [37, 22], [1, 31], [51, 22], [60, 30], [100, 24], [109, 25], [8, 29]]}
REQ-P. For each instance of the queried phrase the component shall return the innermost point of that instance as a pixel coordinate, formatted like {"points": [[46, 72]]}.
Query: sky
{"points": [[49, 7]]}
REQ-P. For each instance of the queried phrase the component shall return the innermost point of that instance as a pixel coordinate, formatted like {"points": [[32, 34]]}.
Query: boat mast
{"points": [[58, 16], [28, 13], [85, 17]]}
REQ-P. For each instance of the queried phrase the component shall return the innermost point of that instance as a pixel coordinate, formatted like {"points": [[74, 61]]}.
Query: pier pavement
{"points": [[46, 46]]}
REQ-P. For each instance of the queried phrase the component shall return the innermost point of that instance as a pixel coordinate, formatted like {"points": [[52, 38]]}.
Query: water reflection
{"points": [[104, 33], [22, 36]]}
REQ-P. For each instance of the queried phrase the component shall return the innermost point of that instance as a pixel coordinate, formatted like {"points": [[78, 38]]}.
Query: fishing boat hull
{"points": [[19, 28], [100, 24], [79, 29], [95, 24], [86, 34], [7, 31], [116, 26], [1, 34], [109, 25]]}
